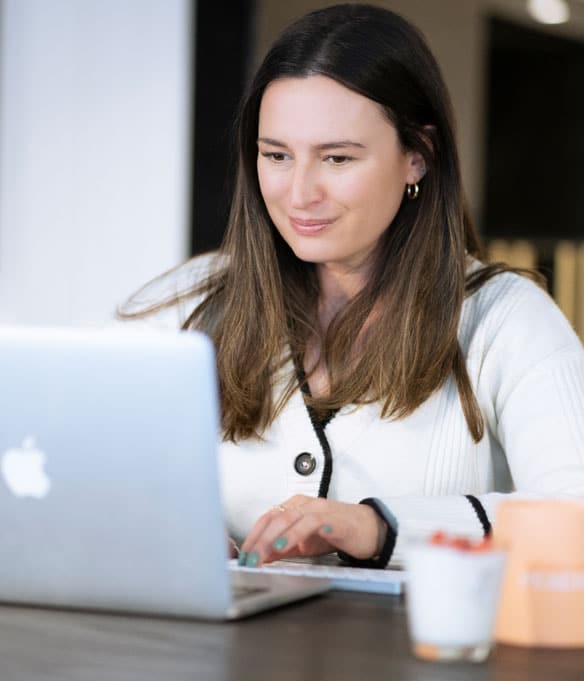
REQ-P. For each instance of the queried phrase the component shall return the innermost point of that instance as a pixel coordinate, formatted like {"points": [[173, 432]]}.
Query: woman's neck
{"points": [[337, 286]]}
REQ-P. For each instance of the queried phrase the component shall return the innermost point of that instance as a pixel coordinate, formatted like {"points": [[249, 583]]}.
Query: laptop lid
{"points": [[109, 490]]}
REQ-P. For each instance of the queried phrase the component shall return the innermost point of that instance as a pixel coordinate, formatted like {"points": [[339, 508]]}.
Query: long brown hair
{"points": [[261, 307]]}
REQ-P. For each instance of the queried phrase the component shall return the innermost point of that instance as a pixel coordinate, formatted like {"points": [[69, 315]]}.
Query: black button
{"points": [[304, 463]]}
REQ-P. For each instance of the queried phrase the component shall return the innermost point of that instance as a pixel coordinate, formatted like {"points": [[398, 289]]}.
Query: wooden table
{"points": [[337, 637]]}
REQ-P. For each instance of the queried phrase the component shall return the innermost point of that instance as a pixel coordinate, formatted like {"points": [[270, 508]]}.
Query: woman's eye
{"points": [[275, 156], [338, 160]]}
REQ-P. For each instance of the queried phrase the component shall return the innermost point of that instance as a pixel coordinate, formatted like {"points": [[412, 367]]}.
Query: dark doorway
{"points": [[223, 46], [535, 144]]}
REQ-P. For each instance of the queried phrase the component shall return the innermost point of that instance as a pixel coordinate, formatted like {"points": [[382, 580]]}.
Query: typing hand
{"points": [[308, 526]]}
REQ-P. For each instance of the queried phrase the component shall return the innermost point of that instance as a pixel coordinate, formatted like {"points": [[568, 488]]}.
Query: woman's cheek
{"points": [[272, 186]]}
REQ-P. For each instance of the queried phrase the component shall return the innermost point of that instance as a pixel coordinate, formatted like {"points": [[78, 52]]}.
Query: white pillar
{"points": [[94, 153]]}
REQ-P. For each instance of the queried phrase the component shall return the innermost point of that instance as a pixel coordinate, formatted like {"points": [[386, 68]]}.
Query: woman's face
{"points": [[331, 169]]}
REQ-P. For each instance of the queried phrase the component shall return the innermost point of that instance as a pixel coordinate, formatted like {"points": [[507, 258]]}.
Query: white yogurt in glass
{"points": [[452, 598]]}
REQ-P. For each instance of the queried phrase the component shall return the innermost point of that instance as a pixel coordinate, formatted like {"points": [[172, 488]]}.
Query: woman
{"points": [[377, 380]]}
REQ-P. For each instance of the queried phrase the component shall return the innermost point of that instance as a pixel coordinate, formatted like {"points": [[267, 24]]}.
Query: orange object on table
{"points": [[542, 599]]}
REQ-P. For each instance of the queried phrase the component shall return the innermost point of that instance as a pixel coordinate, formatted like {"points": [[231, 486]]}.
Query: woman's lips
{"points": [[312, 226]]}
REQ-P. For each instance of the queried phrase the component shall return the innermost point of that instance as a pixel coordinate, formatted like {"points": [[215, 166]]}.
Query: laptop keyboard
{"points": [[343, 577]]}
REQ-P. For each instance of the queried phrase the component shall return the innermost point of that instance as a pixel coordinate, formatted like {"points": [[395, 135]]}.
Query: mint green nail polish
{"points": [[252, 559], [328, 529], [242, 558], [280, 543]]}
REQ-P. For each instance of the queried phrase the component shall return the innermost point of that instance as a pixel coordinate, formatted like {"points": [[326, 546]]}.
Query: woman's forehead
{"points": [[315, 108]]}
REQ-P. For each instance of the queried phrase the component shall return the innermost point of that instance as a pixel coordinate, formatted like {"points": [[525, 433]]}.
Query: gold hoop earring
{"points": [[412, 191]]}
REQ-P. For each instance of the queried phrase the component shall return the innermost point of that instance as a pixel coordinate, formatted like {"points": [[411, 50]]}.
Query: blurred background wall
{"points": [[116, 120], [95, 130]]}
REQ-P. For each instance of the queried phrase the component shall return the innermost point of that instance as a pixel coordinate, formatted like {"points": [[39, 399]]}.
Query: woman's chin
{"points": [[313, 254]]}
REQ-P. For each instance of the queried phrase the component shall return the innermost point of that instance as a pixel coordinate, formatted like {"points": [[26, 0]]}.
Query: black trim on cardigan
{"points": [[479, 509], [319, 425], [380, 561], [327, 472]]}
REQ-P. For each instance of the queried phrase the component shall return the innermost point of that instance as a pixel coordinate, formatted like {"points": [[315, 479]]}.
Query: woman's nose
{"points": [[306, 187]]}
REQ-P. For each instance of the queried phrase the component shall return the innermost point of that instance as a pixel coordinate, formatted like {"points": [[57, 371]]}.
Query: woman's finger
{"points": [[271, 525], [303, 538], [263, 521]]}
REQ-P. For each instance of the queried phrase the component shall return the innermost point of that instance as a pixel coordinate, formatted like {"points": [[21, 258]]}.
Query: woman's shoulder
{"points": [[504, 290], [512, 308], [168, 299]]}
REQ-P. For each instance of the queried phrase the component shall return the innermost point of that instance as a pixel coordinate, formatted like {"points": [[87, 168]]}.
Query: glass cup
{"points": [[452, 597]]}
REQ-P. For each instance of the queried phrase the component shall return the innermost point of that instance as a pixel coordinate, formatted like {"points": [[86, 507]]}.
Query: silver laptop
{"points": [[109, 491]]}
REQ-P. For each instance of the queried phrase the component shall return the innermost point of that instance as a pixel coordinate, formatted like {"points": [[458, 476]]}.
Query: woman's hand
{"points": [[309, 526]]}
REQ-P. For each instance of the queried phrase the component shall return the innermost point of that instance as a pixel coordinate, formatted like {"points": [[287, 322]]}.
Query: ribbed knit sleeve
{"points": [[527, 367]]}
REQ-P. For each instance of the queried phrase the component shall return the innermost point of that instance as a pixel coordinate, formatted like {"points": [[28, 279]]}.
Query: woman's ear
{"points": [[416, 167], [417, 164]]}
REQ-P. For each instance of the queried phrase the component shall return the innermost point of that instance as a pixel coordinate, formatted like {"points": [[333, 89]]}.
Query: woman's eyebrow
{"points": [[272, 142], [341, 144]]}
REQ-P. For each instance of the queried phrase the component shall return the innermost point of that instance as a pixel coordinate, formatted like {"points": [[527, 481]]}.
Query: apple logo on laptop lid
{"points": [[23, 470]]}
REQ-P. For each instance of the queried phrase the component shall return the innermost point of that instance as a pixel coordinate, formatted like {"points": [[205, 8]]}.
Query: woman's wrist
{"points": [[387, 535]]}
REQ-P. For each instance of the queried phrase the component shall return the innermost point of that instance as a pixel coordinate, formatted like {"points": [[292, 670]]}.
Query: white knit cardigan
{"points": [[526, 367]]}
